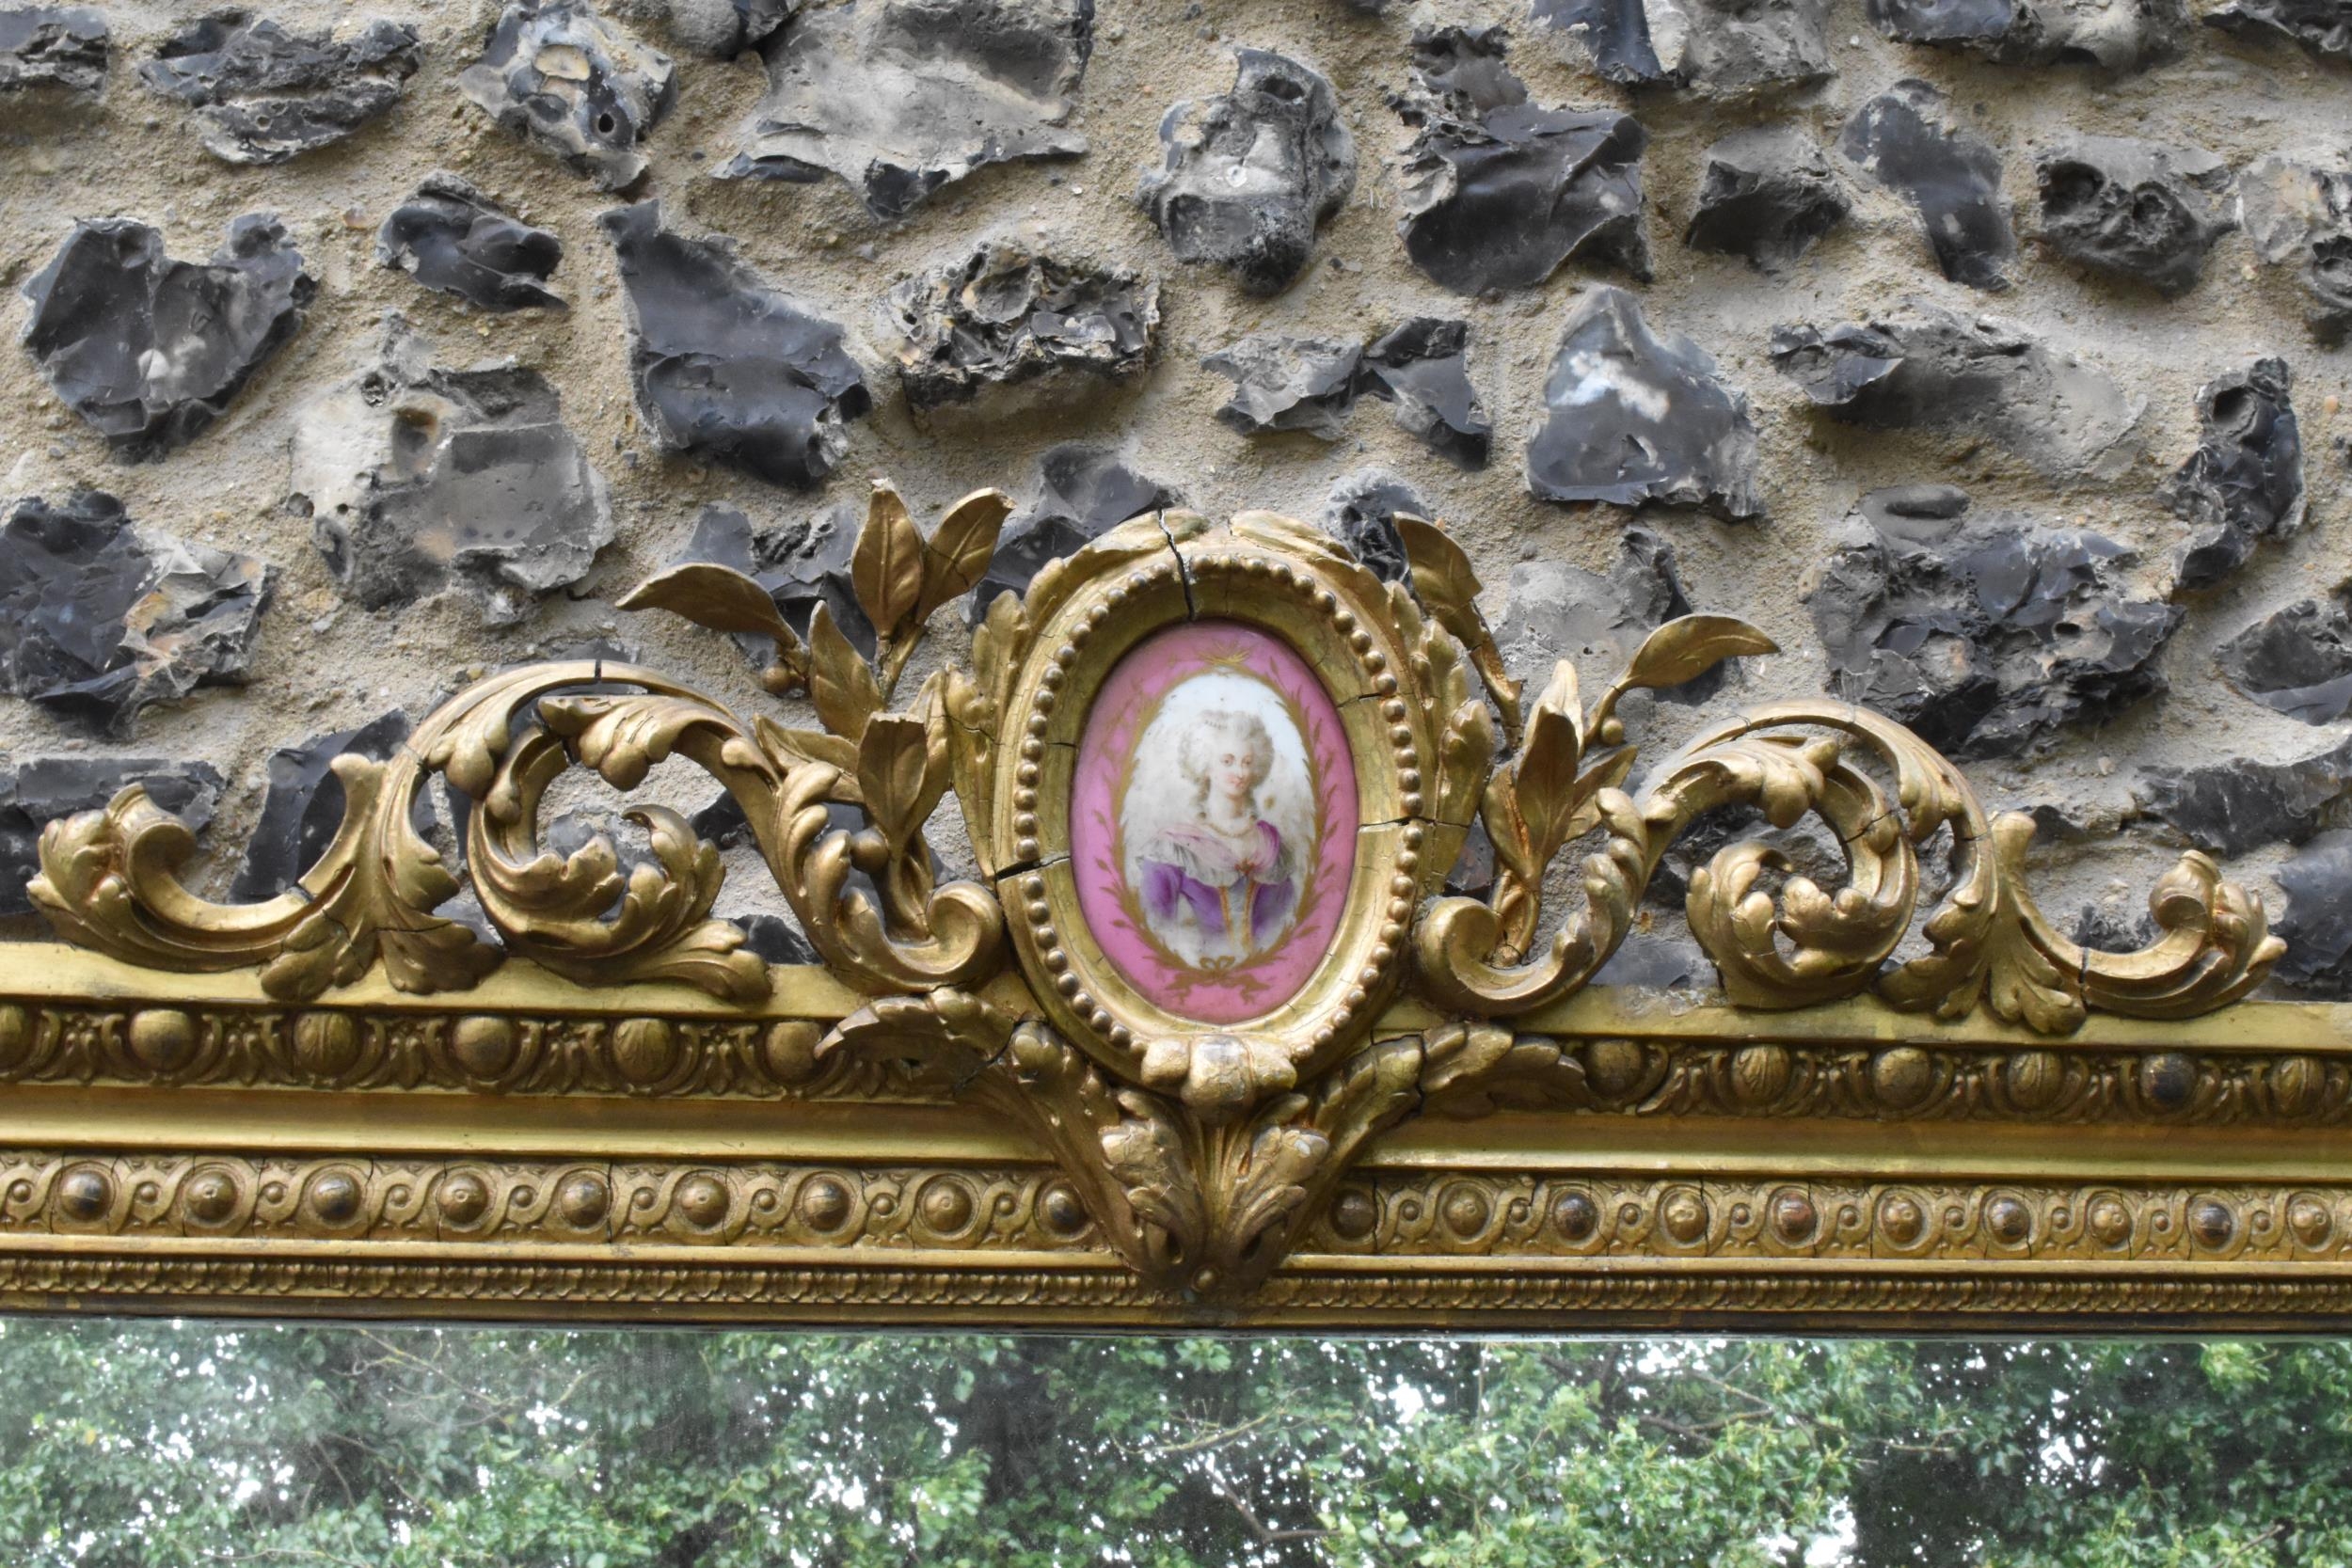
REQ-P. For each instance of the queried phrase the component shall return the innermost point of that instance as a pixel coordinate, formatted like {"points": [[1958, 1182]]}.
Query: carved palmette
{"points": [[1200, 1149]]}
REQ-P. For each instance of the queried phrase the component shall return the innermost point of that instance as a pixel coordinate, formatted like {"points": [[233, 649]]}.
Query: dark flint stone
{"points": [[97, 621], [817, 570], [584, 90], [1423, 367], [802, 565], [2299, 212], [1850, 370], [1767, 195], [43, 790], [2298, 661], [419, 477], [1282, 382], [2322, 27], [1362, 515], [1473, 873], [2114, 35], [1083, 493], [2317, 921], [2239, 806], [1635, 418], [1246, 178], [1986, 637], [262, 94], [450, 237], [1719, 46], [897, 98], [52, 46], [1020, 556], [1464, 68], [1943, 21], [725, 28], [150, 350], [1609, 38], [2135, 209], [2245, 479], [1005, 315], [723, 823], [2057, 822], [1929, 368], [1903, 139], [723, 364], [1560, 611], [1311, 384], [303, 808], [1497, 191]]}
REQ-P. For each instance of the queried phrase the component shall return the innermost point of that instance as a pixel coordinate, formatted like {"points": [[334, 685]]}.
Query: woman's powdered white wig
{"points": [[1218, 729]]}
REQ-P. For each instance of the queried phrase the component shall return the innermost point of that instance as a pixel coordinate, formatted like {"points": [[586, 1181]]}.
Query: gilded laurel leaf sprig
{"points": [[1537, 802], [899, 579], [889, 769], [1544, 798], [1448, 588], [1477, 954]]}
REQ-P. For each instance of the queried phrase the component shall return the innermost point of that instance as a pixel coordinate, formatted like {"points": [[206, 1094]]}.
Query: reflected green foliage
{"points": [[160, 1445]]}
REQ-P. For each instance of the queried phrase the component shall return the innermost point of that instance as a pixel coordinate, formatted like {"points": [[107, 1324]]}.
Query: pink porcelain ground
{"points": [[1213, 825]]}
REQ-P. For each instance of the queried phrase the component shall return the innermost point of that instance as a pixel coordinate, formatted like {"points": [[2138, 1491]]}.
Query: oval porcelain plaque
{"points": [[1212, 827]]}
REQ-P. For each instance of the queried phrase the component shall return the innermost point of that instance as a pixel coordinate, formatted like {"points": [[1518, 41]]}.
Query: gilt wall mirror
{"points": [[1199, 902], [1205, 1042]]}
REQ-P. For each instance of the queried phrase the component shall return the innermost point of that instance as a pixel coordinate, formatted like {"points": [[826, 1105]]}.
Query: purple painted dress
{"points": [[1239, 896]]}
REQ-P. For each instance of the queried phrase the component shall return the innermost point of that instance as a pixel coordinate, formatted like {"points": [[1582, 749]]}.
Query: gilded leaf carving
{"points": [[723, 599], [958, 553], [1686, 648], [789, 749], [886, 563], [840, 683]]}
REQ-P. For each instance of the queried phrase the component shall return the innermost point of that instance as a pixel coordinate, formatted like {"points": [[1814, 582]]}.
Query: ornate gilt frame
{"points": [[347, 1101]]}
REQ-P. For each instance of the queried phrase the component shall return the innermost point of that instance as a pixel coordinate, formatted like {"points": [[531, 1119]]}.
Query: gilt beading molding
{"points": [[1204, 1040], [1836, 1166]]}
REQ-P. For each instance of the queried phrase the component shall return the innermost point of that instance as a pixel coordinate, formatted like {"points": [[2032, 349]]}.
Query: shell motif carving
{"points": [[1199, 1143]]}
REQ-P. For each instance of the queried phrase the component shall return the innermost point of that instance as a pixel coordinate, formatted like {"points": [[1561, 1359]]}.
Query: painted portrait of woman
{"points": [[1221, 880], [1213, 820]]}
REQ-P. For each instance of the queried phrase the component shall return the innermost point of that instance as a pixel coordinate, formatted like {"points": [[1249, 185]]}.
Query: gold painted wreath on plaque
{"points": [[1214, 777]]}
